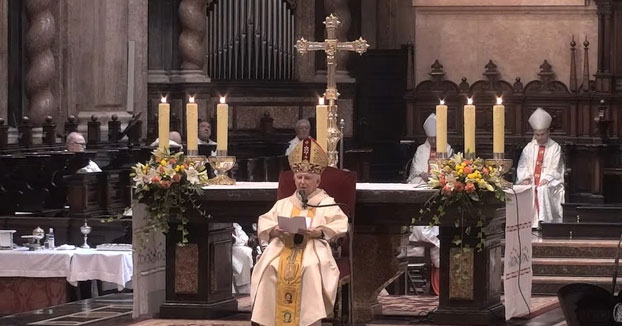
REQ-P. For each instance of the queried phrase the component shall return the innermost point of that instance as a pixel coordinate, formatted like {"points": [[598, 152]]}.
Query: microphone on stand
{"points": [[304, 198]]}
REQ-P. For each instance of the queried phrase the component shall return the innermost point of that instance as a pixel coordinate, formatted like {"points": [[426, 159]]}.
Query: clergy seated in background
{"points": [[174, 140], [241, 260], [295, 280], [419, 174], [75, 143], [426, 152], [303, 128], [205, 132], [542, 166]]}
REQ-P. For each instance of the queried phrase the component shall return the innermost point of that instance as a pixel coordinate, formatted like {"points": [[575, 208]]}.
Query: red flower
{"points": [[441, 179], [485, 171], [165, 184], [155, 179], [458, 187], [176, 177], [469, 188]]}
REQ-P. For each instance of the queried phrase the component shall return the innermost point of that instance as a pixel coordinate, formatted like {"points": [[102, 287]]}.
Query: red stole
{"points": [[432, 157], [538, 172]]}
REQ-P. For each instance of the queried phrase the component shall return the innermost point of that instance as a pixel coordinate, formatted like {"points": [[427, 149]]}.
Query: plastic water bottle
{"points": [[49, 242]]}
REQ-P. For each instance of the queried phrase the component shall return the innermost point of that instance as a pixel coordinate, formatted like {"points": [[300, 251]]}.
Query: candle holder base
{"points": [[221, 164]]}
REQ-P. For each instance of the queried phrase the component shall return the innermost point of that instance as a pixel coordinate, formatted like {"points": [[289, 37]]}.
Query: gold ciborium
{"points": [[197, 160], [221, 164], [502, 164]]}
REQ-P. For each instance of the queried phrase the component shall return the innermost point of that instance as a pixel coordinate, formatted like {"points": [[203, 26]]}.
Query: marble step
{"points": [[550, 284], [575, 248], [593, 214], [573, 266], [587, 230]]}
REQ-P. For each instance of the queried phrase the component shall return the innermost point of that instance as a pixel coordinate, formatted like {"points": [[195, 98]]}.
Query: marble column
{"points": [[340, 9], [138, 32], [4, 26], [192, 41], [305, 27], [41, 70]]}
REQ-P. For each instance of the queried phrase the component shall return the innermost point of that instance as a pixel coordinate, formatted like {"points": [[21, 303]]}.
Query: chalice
{"points": [[85, 230], [221, 164]]}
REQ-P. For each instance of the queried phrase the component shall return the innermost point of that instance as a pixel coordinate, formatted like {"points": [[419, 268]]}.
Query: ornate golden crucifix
{"points": [[331, 45]]}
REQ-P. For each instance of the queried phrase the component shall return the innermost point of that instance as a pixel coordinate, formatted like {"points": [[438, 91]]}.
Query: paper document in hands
{"points": [[294, 224]]}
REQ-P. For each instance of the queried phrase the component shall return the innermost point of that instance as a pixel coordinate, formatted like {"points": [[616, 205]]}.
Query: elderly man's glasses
{"points": [[78, 143]]}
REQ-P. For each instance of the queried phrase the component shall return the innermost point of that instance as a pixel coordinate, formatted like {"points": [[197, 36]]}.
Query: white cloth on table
{"points": [[41, 263], [420, 163], [517, 272], [110, 266], [550, 196], [426, 234], [241, 260]]}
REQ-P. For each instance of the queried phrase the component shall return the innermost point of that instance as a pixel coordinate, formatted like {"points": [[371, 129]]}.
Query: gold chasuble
{"points": [[289, 279]]}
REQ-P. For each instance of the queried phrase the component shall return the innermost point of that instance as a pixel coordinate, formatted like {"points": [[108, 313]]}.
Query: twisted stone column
{"points": [[41, 68], [192, 37], [340, 9]]}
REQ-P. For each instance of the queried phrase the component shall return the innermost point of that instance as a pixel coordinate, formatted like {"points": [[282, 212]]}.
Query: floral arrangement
{"points": [[466, 185], [167, 184]]}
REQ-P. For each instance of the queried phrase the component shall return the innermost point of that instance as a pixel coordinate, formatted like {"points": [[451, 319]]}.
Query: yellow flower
{"points": [[163, 162]]}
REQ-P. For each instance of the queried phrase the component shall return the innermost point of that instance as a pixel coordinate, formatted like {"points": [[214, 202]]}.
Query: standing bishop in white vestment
{"points": [[420, 168], [542, 166], [295, 280]]}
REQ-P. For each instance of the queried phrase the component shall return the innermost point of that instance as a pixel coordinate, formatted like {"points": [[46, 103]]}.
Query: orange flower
{"points": [[165, 184], [468, 170], [469, 188], [176, 177], [467, 162], [155, 179], [446, 190], [485, 171], [458, 187], [442, 180]]}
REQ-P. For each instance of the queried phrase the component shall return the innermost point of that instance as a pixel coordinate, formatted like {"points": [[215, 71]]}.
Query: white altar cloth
{"points": [[359, 186], [74, 265], [517, 272]]}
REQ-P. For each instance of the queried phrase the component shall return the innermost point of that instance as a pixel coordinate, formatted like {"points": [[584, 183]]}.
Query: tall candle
{"points": [[222, 124], [469, 127], [441, 127], [321, 121], [192, 125], [164, 111], [498, 127]]}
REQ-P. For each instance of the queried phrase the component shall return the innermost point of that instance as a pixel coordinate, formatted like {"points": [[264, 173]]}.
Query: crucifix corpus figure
{"points": [[331, 45]]}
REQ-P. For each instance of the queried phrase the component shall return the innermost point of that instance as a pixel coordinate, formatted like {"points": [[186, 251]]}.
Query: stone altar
{"points": [[382, 211]]}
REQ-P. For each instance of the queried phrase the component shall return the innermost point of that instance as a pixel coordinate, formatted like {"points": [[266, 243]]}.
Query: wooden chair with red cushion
{"points": [[341, 185]]}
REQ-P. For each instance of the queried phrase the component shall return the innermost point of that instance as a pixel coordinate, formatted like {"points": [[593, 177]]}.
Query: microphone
{"points": [[304, 198]]}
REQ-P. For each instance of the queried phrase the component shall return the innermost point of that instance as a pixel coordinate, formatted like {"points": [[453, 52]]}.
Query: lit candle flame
{"points": [[499, 100], [191, 99], [321, 101], [442, 102], [222, 100], [469, 100], [163, 99]]}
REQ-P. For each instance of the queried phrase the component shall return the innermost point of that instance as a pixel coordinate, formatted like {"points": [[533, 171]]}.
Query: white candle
{"points": [[498, 127], [469, 127], [321, 121], [164, 111], [222, 125], [441, 127], [192, 121]]}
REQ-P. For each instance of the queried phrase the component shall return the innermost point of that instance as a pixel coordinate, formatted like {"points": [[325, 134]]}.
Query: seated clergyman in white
{"points": [[75, 143], [242, 261], [303, 128], [419, 174], [542, 166], [426, 152]]}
